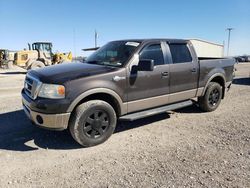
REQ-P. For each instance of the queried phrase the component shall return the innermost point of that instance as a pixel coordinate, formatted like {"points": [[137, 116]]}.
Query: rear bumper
{"points": [[49, 121]]}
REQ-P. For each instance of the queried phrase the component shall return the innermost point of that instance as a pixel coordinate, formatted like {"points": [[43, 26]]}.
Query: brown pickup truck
{"points": [[126, 80]]}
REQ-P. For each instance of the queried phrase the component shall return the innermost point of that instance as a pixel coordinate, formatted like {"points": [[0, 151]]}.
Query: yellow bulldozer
{"points": [[40, 55]]}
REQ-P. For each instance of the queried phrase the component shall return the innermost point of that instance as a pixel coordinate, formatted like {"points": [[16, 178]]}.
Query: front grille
{"points": [[31, 86], [28, 86]]}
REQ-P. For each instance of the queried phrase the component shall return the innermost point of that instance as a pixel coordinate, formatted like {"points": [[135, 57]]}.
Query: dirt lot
{"points": [[184, 148]]}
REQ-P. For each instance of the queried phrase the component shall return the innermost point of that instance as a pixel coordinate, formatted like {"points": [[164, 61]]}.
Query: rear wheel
{"points": [[212, 98], [92, 123], [36, 65]]}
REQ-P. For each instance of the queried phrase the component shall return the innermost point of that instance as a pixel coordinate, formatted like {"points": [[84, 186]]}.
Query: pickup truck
{"points": [[126, 80]]}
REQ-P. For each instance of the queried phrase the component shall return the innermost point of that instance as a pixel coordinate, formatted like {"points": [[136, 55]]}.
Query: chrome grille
{"points": [[28, 86], [31, 86]]}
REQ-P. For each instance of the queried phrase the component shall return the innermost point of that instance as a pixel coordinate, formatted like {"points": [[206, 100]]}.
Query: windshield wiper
{"points": [[112, 64], [94, 62], [97, 62]]}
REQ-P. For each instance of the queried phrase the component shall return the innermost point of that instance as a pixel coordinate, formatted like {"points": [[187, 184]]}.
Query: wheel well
{"points": [[104, 97], [220, 80]]}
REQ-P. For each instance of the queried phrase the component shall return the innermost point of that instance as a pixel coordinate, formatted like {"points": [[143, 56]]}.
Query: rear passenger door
{"points": [[183, 73]]}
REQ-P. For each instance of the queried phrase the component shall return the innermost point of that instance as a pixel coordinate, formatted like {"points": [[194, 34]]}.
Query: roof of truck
{"points": [[156, 39], [142, 41]]}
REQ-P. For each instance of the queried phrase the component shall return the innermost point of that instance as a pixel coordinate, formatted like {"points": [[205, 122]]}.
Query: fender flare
{"points": [[211, 78], [123, 106]]}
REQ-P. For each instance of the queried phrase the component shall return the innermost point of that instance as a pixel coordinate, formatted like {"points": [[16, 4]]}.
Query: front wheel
{"points": [[212, 98], [92, 123]]}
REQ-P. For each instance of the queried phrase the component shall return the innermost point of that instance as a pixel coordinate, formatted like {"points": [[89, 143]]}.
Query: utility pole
{"points": [[228, 41], [96, 36]]}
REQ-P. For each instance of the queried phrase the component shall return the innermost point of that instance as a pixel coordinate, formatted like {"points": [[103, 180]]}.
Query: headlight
{"points": [[52, 91]]}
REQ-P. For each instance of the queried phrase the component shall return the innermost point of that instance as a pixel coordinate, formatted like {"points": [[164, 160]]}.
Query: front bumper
{"points": [[49, 121]]}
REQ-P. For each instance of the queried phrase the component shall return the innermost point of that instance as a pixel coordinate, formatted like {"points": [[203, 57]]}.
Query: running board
{"points": [[154, 111]]}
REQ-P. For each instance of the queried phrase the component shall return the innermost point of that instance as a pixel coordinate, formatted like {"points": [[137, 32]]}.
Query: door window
{"points": [[153, 52]]}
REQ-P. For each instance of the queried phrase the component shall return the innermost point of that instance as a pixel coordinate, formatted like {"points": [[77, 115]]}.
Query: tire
{"points": [[212, 98], [92, 123], [36, 65]]}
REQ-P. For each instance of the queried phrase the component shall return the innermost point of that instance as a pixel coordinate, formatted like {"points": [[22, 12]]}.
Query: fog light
{"points": [[39, 119]]}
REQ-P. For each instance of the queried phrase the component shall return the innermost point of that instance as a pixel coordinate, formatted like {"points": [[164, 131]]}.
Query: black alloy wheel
{"points": [[96, 124], [92, 122], [214, 97]]}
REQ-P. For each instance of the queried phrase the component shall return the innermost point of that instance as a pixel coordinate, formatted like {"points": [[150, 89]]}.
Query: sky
{"points": [[70, 25]]}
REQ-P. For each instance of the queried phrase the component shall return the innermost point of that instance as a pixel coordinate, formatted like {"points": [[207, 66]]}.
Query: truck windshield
{"points": [[113, 54]]}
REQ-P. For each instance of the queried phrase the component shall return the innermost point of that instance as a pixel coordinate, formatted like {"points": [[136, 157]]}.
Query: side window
{"points": [[153, 52], [180, 53]]}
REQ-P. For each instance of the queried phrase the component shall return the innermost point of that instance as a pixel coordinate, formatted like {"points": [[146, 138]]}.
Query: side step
{"points": [[154, 111]]}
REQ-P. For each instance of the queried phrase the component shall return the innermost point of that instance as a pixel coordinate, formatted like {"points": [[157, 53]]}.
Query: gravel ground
{"points": [[183, 148]]}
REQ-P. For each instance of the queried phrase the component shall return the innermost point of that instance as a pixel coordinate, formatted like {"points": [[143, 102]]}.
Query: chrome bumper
{"points": [[49, 121]]}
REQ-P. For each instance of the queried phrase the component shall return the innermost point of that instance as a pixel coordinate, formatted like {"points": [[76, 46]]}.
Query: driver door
{"points": [[147, 89]]}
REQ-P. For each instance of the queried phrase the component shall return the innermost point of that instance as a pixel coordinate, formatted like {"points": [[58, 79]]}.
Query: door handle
{"points": [[164, 74], [193, 70], [118, 78]]}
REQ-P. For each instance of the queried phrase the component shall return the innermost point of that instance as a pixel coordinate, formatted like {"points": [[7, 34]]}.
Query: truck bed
{"points": [[210, 66]]}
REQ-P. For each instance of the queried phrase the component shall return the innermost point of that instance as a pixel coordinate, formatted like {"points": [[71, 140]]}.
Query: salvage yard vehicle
{"points": [[242, 59], [126, 80], [6, 58], [246, 58], [40, 55]]}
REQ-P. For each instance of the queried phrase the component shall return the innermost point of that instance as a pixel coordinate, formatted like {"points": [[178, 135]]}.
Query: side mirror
{"points": [[145, 65]]}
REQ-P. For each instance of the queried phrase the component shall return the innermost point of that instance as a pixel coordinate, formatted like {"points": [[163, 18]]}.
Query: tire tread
{"points": [[203, 101], [79, 111]]}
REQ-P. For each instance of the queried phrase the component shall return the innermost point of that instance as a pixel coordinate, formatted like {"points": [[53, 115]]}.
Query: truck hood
{"points": [[59, 74]]}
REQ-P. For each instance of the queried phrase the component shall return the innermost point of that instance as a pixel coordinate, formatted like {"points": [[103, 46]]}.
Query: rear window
{"points": [[180, 53]]}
